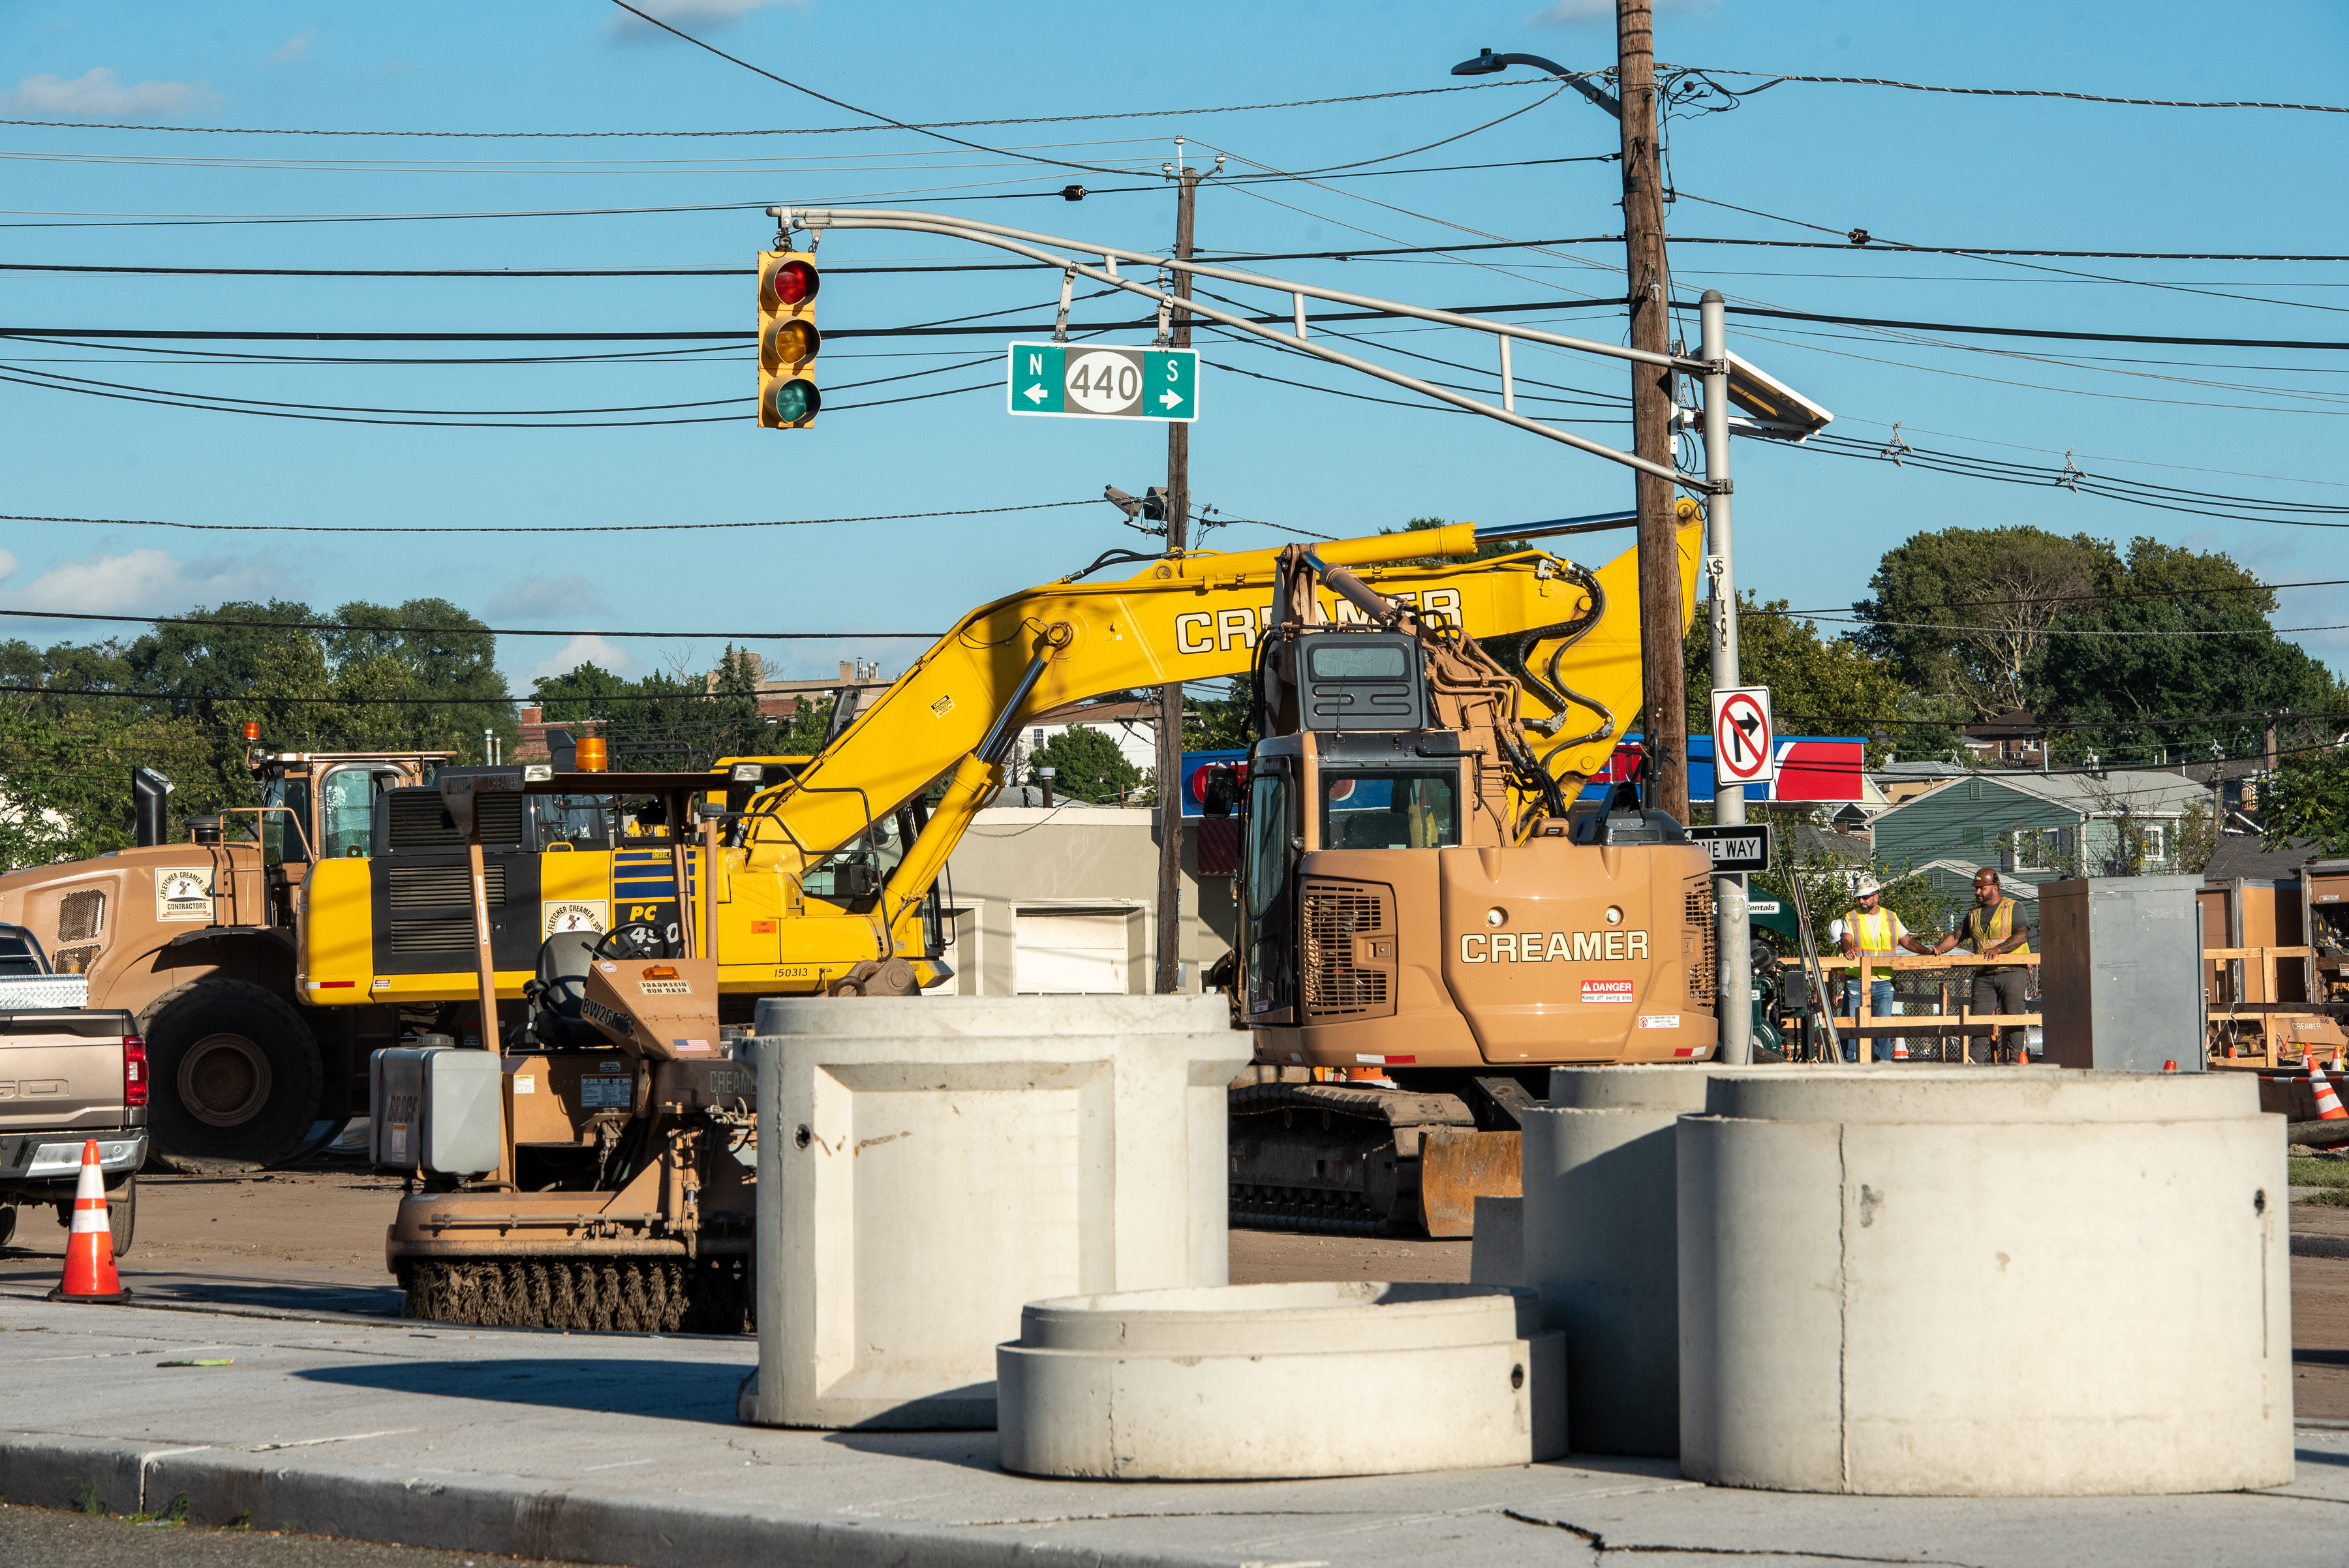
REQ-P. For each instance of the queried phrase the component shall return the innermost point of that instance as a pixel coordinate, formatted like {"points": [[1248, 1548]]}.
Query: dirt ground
{"points": [[312, 1239]]}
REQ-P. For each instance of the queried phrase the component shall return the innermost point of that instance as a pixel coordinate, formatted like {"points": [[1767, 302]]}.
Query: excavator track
{"points": [[1333, 1160], [599, 1294]]}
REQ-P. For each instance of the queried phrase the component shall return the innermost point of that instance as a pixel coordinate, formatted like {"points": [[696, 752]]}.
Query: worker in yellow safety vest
{"points": [[1993, 928], [1872, 928]]}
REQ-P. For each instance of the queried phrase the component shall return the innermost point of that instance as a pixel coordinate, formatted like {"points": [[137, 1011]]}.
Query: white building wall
{"points": [[1062, 900]]}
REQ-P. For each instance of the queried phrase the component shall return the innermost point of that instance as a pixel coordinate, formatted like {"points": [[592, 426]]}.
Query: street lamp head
{"points": [[1484, 64]]}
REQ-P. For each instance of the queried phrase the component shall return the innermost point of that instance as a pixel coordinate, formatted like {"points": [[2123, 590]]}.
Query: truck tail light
{"points": [[134, 1070]]}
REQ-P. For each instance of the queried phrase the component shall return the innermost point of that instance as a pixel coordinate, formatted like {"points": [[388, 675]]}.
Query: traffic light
{"points": [[789, 340]]}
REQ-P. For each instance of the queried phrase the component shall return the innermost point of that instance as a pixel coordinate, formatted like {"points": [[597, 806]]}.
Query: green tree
{"points": [[1817, 685], [2308, 797], [2014, 587], [1218, 723], [2186, 633], [1087, 766]]}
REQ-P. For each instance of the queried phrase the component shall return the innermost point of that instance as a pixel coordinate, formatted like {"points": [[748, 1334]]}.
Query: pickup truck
{"points": [[68, 1073]]}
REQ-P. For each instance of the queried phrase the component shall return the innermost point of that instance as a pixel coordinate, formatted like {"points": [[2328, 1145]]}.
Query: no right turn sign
{"points": [[1745, 744]]}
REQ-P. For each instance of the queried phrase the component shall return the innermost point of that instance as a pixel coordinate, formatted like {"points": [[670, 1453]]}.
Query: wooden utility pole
{"points": [[1169, 977], [1662, 675]]}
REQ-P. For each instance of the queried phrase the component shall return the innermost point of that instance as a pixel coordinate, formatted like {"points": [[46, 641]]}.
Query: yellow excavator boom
{"points": [[1197, 617]]}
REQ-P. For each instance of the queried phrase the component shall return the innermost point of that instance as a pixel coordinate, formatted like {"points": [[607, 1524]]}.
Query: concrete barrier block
{"points": [[1283, 1381], [927, 1165], [1497, 1255], [1984, 1281]]}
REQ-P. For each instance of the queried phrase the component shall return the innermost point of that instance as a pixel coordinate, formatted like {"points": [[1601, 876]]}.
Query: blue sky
{"points": [[1925, 168]]}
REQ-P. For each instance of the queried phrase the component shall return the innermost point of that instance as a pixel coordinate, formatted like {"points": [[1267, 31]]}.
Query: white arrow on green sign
{"points": [[1079, 381]]}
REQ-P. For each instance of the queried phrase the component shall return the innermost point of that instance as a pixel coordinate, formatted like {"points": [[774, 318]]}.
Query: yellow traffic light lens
{"points": [[793, 401], [792, 342], [791, 284]]}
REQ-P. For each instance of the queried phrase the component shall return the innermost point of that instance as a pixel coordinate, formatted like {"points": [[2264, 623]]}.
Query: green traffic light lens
{"points": [[795, 401]]}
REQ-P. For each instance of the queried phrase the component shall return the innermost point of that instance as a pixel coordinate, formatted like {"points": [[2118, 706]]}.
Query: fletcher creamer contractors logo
{"points": [[1552, 947]]}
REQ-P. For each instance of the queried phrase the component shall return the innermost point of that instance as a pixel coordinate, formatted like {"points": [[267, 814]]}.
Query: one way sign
{"points": [[1745, 744], [1745, 847]]}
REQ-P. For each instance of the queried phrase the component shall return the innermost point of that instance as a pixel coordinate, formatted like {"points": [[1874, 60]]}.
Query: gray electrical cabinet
{"points": [[435, 1110], [2120, 973]]}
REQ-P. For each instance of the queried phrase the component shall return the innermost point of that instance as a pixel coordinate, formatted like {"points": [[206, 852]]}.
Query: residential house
{"points": [[2038, 827], [2014, 737], [1901, 782], [1132, 726]]}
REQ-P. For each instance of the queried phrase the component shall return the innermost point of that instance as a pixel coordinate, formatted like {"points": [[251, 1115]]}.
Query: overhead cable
{"points": [[2008, 92], [558, 529]]}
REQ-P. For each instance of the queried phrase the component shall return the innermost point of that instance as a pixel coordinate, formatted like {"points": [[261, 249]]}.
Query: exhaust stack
{"points": [[149, 793]]}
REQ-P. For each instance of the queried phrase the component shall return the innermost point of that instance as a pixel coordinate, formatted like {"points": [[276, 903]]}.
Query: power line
{"points": [[1859, 237], [788, 131], [561, 529], [2126, 596], [2002, 92], [245, 335], [2166, 498]]}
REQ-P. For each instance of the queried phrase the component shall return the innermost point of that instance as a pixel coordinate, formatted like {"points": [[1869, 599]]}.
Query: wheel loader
{"points": [[196, 940]]}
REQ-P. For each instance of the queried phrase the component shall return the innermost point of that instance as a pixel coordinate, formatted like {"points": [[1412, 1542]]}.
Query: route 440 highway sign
{"points": [[1078, 381]]}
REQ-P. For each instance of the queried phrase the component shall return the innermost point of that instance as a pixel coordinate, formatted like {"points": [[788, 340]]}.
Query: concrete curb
{"points": [[522, 1520], [2305, 1244]]}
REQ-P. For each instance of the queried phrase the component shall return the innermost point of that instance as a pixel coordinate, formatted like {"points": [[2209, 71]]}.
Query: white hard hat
{"points": [[1866, 885]]}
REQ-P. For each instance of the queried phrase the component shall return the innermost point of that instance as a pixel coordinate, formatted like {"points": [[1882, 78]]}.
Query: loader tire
{"points": [[236, 1077]]}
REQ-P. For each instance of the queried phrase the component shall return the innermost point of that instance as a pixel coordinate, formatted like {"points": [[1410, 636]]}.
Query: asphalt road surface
{"points": [[57, 1540]]}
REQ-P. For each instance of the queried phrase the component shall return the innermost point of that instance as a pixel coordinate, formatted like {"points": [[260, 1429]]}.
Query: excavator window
{"points": [[1273, 844], [1390, 809]]}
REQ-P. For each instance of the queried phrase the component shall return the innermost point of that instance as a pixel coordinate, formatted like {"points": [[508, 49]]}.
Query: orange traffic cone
{"points": [[2328, 1104], [1900, 1049], [90, 1250]]}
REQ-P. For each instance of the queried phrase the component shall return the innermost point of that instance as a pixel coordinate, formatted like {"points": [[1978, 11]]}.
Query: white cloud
{"points": [[7, 566], [587, 648], [294, 48], [140, 581], [698, 16], [1576, 13], [527, 597], [99, 94]]}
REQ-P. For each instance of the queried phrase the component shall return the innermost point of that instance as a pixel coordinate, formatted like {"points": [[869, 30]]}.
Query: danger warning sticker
{"points": [[1660, 1021], [1607, 990]]}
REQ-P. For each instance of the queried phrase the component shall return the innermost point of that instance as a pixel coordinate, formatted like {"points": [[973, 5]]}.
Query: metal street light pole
{"points": [[1733, 948]]}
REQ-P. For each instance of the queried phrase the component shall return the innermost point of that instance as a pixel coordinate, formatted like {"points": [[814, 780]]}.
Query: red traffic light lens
{"points": [[792, 342], [792, 284], [794, 400]]}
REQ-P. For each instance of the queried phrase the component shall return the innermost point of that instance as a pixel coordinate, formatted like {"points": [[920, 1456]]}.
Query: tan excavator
{"points": [[1420, 907], [594, 1169]]}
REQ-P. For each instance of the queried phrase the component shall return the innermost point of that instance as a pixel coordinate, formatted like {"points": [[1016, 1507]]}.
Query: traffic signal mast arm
{"points": [[1571, 633], [1039, 247]]}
